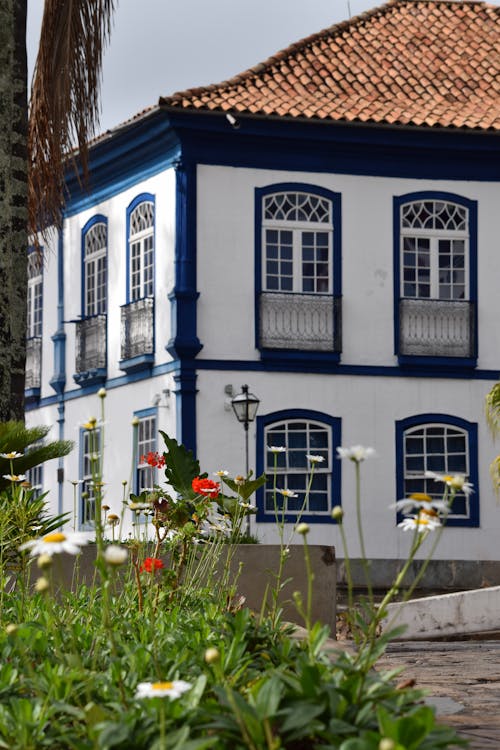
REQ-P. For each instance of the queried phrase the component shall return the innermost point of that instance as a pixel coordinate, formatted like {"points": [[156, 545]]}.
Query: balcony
{"points": [[33, 368], [137, 334], [91, 350], [304, 322], [437, 328]]}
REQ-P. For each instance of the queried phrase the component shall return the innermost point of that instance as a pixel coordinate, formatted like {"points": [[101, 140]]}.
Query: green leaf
{"points": [[181, 467], [267, 696], [245, 490]]}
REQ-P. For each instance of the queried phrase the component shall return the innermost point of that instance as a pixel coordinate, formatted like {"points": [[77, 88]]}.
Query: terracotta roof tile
{"points": [[410, 62]]}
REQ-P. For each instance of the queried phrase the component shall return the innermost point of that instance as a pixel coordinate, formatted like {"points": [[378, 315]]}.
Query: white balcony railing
{"points": [[33, 363], [309, 322], [436, 328], [137, 328], [91, 344]]}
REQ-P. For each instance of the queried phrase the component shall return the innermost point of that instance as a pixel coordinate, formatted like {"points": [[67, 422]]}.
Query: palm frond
{"points": [[64, 106]]}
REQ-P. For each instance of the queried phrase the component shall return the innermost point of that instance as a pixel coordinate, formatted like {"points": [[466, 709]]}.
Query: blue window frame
{"points": [[443, 444], [300, 432], [298, 268], [435, 279], [145, 441]]}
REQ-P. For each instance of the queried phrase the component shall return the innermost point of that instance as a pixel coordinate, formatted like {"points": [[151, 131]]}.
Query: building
{"points": [[323, 227]]}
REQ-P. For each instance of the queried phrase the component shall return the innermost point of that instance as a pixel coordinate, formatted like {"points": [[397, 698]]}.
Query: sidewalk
{"points": [[463, 683]]}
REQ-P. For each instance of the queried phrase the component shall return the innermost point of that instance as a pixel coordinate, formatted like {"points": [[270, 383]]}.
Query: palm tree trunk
{"points": [[13, 207]]}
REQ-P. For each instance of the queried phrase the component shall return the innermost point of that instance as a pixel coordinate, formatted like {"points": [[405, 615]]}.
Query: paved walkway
{"points": [[463, 683]]}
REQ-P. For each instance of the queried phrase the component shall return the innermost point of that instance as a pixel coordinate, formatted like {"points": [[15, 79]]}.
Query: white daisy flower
{"points": [[276, 448], [287, 493], [56, 542], [314, 459], [15, 477], [115, 555], [356, 453], [170, 690], [221, 473], [422, 522], [455, 481], [421, 501], [11, 456]]}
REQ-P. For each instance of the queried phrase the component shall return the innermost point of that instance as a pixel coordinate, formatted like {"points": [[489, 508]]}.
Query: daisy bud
{"points": [[302, 528], [11, 628], [115, 555], [386, 744], [44, 561], [101, 392], [135, 422], [337, 513], [212, 655], [42, 585]]}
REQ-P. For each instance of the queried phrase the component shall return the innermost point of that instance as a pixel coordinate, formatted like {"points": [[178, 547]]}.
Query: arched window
{"points": [[435, 277], [95, 269], [35, 295], [141, 251], [298, 268], [285, 440], [435, 250], [444, 445]]}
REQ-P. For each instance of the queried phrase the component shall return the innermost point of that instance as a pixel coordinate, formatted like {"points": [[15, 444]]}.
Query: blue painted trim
{"points": [[91, 377], [141, 198], [185, 392], [335, 424], [304, 366], [336, 202], [32, 395], [121, 159], [285, 363], [299, 145], [471, 428], [299, 356], [471, 205], [97, 219], [141, 362], [58, 380], [60, 464], [184, 342]]}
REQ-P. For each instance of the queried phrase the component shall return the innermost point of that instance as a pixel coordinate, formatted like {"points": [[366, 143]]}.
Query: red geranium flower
{"points": [[151, 564], [205, 487], [154, 459]]}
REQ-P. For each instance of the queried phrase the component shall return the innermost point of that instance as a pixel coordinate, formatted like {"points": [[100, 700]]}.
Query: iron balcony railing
{"points": [[308, 322], [33, 363], [137, 326], [91, 344], [436, 328]]}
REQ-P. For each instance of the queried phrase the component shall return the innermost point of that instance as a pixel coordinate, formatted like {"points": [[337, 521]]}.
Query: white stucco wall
{"points": [[226, 253]]}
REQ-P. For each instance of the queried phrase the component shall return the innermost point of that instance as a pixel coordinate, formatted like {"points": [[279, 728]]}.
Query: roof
{"points": [[409, 62]]}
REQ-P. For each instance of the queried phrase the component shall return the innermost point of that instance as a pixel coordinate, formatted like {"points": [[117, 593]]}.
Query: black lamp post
{"points": [[245, 407]]}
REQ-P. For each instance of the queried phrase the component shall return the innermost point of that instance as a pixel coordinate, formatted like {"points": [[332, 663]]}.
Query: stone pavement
{"points": [[463, 683]]}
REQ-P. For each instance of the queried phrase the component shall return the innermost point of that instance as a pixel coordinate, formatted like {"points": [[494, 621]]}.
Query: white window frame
{"points": [[95, 269], [434, 236], [297, 228], [428, 485], [35, 296], [287, 474], [142, 251]]}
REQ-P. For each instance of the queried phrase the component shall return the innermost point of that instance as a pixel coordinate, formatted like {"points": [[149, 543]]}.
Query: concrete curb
{"points": [[461, 613]]}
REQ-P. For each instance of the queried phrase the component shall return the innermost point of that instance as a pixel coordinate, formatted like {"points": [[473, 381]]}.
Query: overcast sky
{"points": [[161, 46]]}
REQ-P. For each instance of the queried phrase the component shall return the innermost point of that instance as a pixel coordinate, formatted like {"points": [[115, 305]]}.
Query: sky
{"points": [[158, 47]]}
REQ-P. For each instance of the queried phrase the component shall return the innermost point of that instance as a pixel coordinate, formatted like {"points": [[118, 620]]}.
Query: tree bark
{"points": [[13, 207]]}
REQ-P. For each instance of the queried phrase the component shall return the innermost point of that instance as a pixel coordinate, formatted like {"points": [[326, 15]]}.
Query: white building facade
{"points": [[346, 272]]}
